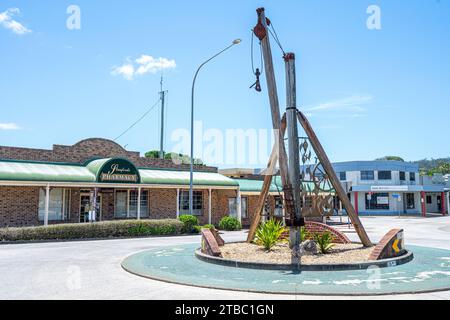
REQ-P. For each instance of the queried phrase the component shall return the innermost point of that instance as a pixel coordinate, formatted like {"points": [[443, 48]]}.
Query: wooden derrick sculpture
{"points": [[322, 176]]}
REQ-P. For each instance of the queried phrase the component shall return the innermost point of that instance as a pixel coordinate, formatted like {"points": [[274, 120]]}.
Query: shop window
{"points": [[134, 203], [384, 175], [232, 207], [402, 176], [343, 176], [59, 204], [278, 206], [429, 200], [197, 202], [125, 205], [412, 176], [367, 175], [410, 201], [120, 205], [377, 201]]}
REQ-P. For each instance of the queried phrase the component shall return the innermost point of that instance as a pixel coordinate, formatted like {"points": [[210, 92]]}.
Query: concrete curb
{"points": [[392, 262]]}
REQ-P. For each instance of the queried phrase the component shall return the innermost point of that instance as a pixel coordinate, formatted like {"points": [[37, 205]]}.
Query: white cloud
{"points": [[143, 65], [353, 106], [350, 103], [126, 70], [7, 21], [9, 126]]}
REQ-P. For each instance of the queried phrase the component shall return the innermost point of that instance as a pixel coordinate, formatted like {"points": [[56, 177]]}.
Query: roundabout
{"points": [[429, 271]]}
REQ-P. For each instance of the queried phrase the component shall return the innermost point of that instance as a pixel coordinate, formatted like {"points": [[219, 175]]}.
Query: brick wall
{"points": [[163, 203], [19, 206], [252, 203], [88, 149]]}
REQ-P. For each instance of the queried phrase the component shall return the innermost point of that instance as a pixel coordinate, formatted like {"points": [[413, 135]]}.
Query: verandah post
{"points": [[178, 203], [239, 205], [139, 204], [209, 206], [47, 204]]}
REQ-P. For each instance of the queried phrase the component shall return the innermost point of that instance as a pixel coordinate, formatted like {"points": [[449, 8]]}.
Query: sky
{"points": [[367, 92]]}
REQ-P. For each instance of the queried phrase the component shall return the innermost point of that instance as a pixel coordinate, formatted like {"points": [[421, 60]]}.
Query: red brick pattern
{"points": [[19, 206], [209, 244], [218, 238], [317, 227], [88, 149], [383, 249]]}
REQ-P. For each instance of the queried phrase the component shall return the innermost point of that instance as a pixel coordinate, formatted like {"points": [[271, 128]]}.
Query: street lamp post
{"points": [[191, 175]]}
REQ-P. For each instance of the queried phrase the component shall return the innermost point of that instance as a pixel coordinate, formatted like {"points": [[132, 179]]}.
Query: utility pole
{"points": [[294, 155], [161, 144]]}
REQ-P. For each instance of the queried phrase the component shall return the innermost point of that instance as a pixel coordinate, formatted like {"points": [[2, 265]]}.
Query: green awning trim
{"points": [[33, 171], [52, 172], [246, 185]]}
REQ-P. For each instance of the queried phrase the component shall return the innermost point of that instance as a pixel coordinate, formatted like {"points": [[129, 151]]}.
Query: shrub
{"points": [[269, 233], [104, 229], [198, 229], [189, 222], [325, 241], [304, 234], [230, 224]]}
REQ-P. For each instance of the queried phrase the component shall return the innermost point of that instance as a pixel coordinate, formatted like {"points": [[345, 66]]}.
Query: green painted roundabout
{"points": [[429, 271]]}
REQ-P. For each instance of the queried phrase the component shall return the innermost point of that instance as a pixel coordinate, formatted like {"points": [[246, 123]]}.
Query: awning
{"points": [[165, 177], [393, 188], [100, 172], [399, 188], [255, 186], [39, 171]]}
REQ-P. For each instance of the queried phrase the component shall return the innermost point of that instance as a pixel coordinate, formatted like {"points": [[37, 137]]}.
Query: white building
{"points": [[391, 188]]}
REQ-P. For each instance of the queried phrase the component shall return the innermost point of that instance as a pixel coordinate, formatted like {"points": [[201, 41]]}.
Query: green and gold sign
{"points": [[119, 171]]}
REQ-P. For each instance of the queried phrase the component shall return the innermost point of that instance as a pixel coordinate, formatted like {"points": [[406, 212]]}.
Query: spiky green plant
{"points": [[269, 233], [304, 234], [325, 241]]}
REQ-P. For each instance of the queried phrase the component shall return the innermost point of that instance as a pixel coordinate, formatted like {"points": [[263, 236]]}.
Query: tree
{"points": [[391, 158], [152, 154], [178, 158]]}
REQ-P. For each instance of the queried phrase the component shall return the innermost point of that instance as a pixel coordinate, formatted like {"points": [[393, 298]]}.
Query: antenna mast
{"points": [[161, 143]]}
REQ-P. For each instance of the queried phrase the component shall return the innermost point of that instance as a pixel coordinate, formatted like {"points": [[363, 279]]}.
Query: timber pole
{"points": [[323, 158], [294, 155], [266, 185], [261, 31]]}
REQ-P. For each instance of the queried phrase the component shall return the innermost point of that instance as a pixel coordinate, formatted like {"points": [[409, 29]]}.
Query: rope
{"points": [[137, 121], [258, 71], [253, 66], [275, 37]]}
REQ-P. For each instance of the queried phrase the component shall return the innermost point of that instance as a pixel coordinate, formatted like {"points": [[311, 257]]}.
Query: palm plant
{"points": [[269, 233], [304, 234], [325, 241]]}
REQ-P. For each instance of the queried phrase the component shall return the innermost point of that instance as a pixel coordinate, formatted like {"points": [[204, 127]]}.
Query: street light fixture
{"points": [[191, 175]]}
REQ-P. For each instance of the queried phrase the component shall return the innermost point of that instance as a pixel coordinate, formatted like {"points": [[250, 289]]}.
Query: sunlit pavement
{"points": [[91, 269]]}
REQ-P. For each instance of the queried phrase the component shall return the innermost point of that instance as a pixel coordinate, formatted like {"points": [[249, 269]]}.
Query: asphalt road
{"points": [[91, 269]]}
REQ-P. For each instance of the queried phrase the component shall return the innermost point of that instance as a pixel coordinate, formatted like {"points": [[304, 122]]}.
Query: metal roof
{"points": [[35, 171], [247, 185], [165, 177], [54, 172]]}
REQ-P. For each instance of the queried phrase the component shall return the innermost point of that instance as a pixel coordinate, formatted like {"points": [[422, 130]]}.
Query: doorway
{"points": [[85, 206]]}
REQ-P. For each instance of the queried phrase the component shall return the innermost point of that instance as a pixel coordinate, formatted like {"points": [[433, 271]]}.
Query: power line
{"points": [[137, 121]]}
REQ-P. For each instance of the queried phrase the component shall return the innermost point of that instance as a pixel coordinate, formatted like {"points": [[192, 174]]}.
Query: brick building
{"points": [[96, 179]]}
